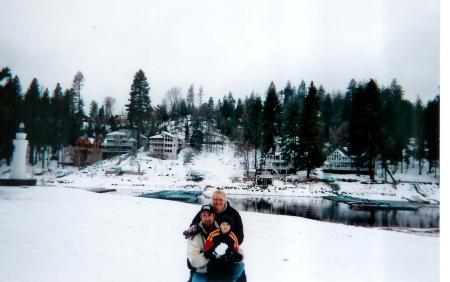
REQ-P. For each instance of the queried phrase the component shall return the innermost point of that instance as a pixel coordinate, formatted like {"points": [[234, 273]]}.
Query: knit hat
{"points": [[226, 219], [207, 208]]}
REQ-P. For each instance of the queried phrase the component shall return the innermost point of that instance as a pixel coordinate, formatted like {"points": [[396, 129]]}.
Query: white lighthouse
{"points": [[18, 164]]}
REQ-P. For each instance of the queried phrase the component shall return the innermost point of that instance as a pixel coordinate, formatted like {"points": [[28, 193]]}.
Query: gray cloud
{"points": [[236, 46]]}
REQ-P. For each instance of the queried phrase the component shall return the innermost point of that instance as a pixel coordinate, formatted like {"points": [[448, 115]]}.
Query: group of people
{"points": [[214, 239]]}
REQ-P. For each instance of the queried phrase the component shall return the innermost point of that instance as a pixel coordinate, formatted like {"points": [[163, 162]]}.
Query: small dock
{"points": [[102, 190], [376, 205], [176, 195], [366, 204], [344, 199]]}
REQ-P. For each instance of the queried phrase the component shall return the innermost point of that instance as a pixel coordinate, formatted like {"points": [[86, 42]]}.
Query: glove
{"points": [[238, 257], [210, 253], [193, 232], [234, 256]]}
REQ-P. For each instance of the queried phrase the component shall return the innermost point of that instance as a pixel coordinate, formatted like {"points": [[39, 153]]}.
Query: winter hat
{"points": [[207, 208], [226, 219]]}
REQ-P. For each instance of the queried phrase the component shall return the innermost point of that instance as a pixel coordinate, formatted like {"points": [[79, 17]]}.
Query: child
{"points": [[221, 248]]}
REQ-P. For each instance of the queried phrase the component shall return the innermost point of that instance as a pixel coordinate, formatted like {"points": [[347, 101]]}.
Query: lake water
{"points": [[427, 216]]}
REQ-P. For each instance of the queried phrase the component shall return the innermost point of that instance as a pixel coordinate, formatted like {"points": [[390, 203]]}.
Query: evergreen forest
{"points": [[375, 123]]}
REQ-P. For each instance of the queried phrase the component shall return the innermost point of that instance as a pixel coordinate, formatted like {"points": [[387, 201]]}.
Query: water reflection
{"points": [[326, 210]]}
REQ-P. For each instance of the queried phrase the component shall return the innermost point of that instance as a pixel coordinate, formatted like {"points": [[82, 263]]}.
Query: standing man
{"points": [[196, 246], [196, 243]]}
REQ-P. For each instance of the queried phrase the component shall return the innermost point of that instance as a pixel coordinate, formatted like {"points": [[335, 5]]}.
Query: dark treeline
{"points": [[306, 123], [53, 120]]}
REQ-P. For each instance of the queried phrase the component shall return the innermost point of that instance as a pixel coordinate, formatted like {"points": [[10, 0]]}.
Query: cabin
{"points": [[88, 150]]}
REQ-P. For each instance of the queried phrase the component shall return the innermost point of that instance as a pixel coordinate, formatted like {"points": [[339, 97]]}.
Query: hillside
{"points": [[222, 169]]}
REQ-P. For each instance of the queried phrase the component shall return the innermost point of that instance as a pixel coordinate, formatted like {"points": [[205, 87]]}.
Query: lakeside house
{"points": [[276, 163], [341, 162], [122, 141], [88, 150], [165, 146]]}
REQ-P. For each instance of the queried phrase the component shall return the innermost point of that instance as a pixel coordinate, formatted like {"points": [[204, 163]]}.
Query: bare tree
{"points": [[76, 156], [173, 97], [109, 104], [200, 96], [190, 96], [243, 151], [77, 84]]}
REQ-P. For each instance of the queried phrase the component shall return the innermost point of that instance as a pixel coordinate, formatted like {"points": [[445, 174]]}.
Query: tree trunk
{"points": [[43, 158], [386, 169], [256, 159], [372, 170]]}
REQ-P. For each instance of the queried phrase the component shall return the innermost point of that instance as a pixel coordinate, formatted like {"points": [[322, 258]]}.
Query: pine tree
{"points": [[310, 143], [45, 122], [321, 93], [365, 132], [348, 100], [288, 93], [31, 111], [93, 110], [196, 140], [290, 141], [67, 120], [10, 112], [238, 112], [186, 132], [211, 102], [338, 129], [113, 123], [56, 103], [227, 123], [326, 112], [271, 119], [139, 107], [301, 93], [431, 132], [183, 110], [394, 124], [419, 144], [101, 115], [253, 123]]}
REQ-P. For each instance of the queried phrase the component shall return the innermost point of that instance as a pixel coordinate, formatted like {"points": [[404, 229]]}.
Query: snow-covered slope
{"points": [[222, 169]]}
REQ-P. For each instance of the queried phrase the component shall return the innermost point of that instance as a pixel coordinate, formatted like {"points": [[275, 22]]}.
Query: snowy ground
{"points": [[62, 234], [56, 231]]}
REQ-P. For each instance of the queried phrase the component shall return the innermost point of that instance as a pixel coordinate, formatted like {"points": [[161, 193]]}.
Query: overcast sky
{"points": [[238, 46]]}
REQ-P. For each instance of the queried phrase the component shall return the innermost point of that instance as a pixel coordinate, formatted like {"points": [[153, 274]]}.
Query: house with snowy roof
{"points": [[341, 162], [165, 146], [87, 150], [122, 141], [276, 163]]}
